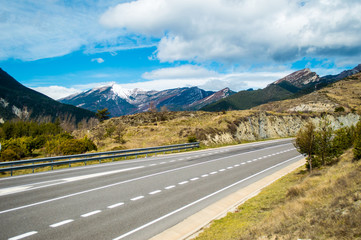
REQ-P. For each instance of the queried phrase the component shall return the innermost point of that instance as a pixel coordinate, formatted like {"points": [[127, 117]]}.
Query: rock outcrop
{"points": [[267, 126]]}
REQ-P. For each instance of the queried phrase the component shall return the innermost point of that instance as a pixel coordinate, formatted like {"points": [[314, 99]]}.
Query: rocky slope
{"points": [[300, 79], [342, 95]]}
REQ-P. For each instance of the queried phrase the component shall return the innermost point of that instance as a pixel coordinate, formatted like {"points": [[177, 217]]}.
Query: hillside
{"points": [[272, 120], [210, 128], [345, 93], [295, 85], [20, 102]]}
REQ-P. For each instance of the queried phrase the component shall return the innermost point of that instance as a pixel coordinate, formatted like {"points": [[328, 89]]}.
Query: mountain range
{"points": [[293, 85], [120, 101], [20, 102]]}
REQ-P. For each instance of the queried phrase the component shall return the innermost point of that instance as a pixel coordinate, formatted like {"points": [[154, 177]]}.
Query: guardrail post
{"points": [[52, 165]]}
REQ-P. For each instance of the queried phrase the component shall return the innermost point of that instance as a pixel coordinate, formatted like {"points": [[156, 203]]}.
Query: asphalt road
{"points": [[134, 199]]}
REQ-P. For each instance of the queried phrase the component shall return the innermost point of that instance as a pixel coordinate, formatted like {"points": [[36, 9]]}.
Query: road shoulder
{"points": [[193, 225]]}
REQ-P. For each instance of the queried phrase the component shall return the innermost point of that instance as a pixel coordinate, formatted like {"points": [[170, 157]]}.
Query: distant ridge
{"points": [[121, 101], [293, 85], [20, 102]]}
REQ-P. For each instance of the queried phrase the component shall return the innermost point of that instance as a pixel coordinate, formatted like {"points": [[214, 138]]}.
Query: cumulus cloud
{"points": [[33, 30], [235, 31], [56, 92], [181, 72], [98, 60], [189, 75]]}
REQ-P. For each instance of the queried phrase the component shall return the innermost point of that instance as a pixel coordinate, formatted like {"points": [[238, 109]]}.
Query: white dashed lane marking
{"points": [[61, 223], [169, 187], [90, 213], [184, 182], [116, 205], [23, 235], [155, 192], [194, 179], [137, 198]]}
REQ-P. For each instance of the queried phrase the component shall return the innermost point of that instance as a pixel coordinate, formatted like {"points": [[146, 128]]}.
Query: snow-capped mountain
{"points": [[121, 101]]}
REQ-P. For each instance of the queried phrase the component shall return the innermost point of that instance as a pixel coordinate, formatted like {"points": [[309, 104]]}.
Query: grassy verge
{"points": [[324, 205]]}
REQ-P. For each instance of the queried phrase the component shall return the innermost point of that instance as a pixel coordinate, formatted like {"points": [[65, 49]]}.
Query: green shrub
{"points": [[357, 142], [192, 139], [340, 109], [9, 155], [357, 149]]}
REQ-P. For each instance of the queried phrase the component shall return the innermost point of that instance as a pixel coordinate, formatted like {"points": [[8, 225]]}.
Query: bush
{"points": [[65, 144], [357, 149], [9, 155], [72, 146], [357, 142], [192, 139], [339, 109]]}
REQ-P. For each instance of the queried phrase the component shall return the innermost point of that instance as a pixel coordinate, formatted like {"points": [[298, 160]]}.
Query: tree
{"points": [[342, 140], [357, 142], [305, 143], [103, 114], [152, 107], [324, 150]]}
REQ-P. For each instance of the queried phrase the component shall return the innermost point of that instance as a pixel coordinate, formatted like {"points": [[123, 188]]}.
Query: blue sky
{"points": [[68, 46]]}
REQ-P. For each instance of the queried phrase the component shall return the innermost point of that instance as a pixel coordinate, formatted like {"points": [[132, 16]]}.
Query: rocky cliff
{"points": [[263, 125]]}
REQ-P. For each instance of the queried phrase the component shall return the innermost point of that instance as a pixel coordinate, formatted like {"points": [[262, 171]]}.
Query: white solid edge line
{"points": [[61, 223], [23, 235], [116, 205], [134, 179], [91, 213], [199, 200], [137, 198]]}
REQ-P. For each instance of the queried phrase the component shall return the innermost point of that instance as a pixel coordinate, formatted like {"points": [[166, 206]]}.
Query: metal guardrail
{"points": [[54, 161]]}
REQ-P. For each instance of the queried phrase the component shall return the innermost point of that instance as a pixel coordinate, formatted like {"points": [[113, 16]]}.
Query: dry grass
{"points": [[324, 205], [156, 129]]}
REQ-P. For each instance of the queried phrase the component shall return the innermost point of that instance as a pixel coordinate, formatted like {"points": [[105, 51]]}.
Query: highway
{"points": [[133, 199]]}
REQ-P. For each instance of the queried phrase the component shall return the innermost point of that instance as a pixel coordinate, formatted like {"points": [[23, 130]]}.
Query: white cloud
{"points": [[181, 72], [248, 31], [98, 60], [33, 30], [56, 92], [188, 75]]}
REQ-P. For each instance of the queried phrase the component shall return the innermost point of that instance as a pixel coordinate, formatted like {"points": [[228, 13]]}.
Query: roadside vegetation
{"points": [[21, 139], [324, 204]]}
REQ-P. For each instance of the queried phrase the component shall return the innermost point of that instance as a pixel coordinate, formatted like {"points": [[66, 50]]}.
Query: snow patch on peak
{"points": [[121, 92]]}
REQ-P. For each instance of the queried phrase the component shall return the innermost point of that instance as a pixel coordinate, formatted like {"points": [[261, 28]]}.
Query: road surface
{"points": [[134, 199]]}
